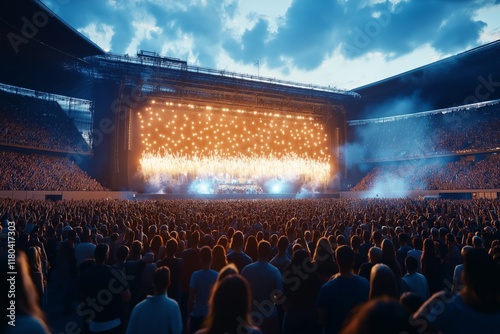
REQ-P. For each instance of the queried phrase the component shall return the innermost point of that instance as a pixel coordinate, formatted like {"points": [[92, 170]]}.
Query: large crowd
{"points": [[425, 175], [20, 171], [267, 266], [466, 130], [37, 123]]}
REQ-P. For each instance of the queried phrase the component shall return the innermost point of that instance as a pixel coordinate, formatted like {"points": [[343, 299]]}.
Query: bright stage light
{"points": [[201, 187], [249, 146], [276, 189]]}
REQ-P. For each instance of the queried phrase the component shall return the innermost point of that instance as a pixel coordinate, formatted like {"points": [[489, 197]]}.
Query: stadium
{"points": [[124, 146], [239, 134]]}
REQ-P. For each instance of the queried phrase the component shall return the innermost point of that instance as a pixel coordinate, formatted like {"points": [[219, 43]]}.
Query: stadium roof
{"points": [[468, 77], [40, 48], [36, 45]]}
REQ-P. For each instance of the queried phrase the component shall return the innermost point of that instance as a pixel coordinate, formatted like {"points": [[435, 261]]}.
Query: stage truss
{"points": [[149, 78]]}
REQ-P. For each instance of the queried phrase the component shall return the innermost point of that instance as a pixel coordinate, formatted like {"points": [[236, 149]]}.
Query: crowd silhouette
{"points": [[38, 123], [321, 265], [21, 171], [467, 129], [425, 175]]}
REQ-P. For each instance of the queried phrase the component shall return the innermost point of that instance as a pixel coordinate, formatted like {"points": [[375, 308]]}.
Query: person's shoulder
{"points": [[332, 282], [439, 299], [231, 255], [422, 277], [171, 301], [338, 282], [361, 280], [92, 272], [249, 267], [168, 302], [163, 263], [195, 274], [142, 304], [187, 252], [273, 269], [366, 265]]}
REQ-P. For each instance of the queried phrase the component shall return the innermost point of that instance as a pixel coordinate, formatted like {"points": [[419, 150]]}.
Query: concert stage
{"points": [[149, 196]]}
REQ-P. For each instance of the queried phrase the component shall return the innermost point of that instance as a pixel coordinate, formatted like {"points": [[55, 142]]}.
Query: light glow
{"points": [[233, 144]]}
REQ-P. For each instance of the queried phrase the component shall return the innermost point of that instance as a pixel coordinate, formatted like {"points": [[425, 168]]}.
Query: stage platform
{"points": [[145, 196]]}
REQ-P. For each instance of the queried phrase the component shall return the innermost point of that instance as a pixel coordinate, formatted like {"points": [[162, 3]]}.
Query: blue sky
{"points": [[337, 43]]}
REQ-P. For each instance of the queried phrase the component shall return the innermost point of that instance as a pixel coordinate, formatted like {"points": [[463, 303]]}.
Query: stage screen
{"points": [[203, 149]]}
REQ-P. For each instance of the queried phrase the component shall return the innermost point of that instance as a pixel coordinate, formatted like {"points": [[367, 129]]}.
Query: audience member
{"points": [[342, 293], [281, 260], [383, 282], [324, 259], [475, 309], [374, 257], [431, 267], [200, 285], [238, 256], [158, 313], [416, 252], [458, 281], [267, 287], [219, 259], [229, 308], [414, 281], [62, 226], [301, 288], [98, 278], [389, 259], [380, 315], [26, 315]]}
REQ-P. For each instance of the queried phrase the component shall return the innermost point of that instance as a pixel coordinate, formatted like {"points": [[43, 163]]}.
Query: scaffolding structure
{"points": [[173, 79]]}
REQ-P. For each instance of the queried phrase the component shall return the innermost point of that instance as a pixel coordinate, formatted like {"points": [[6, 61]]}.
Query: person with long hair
{"points": [[154, 246], [251, 246], [374, 256], [324, 259], [382, 282], [229, 308], [379, 315], [431, 266], [36, 270], [28, 317], [229, 269], [219, 259], [389, 259]]}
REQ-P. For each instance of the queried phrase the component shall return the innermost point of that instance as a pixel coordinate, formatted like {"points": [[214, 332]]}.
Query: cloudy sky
{"points": [[337, 43]]}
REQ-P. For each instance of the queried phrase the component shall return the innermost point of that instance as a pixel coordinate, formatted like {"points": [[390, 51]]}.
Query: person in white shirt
{"points": [[416, 252], [85, 249], [413, 281], [157, 313], [458, 281]]}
